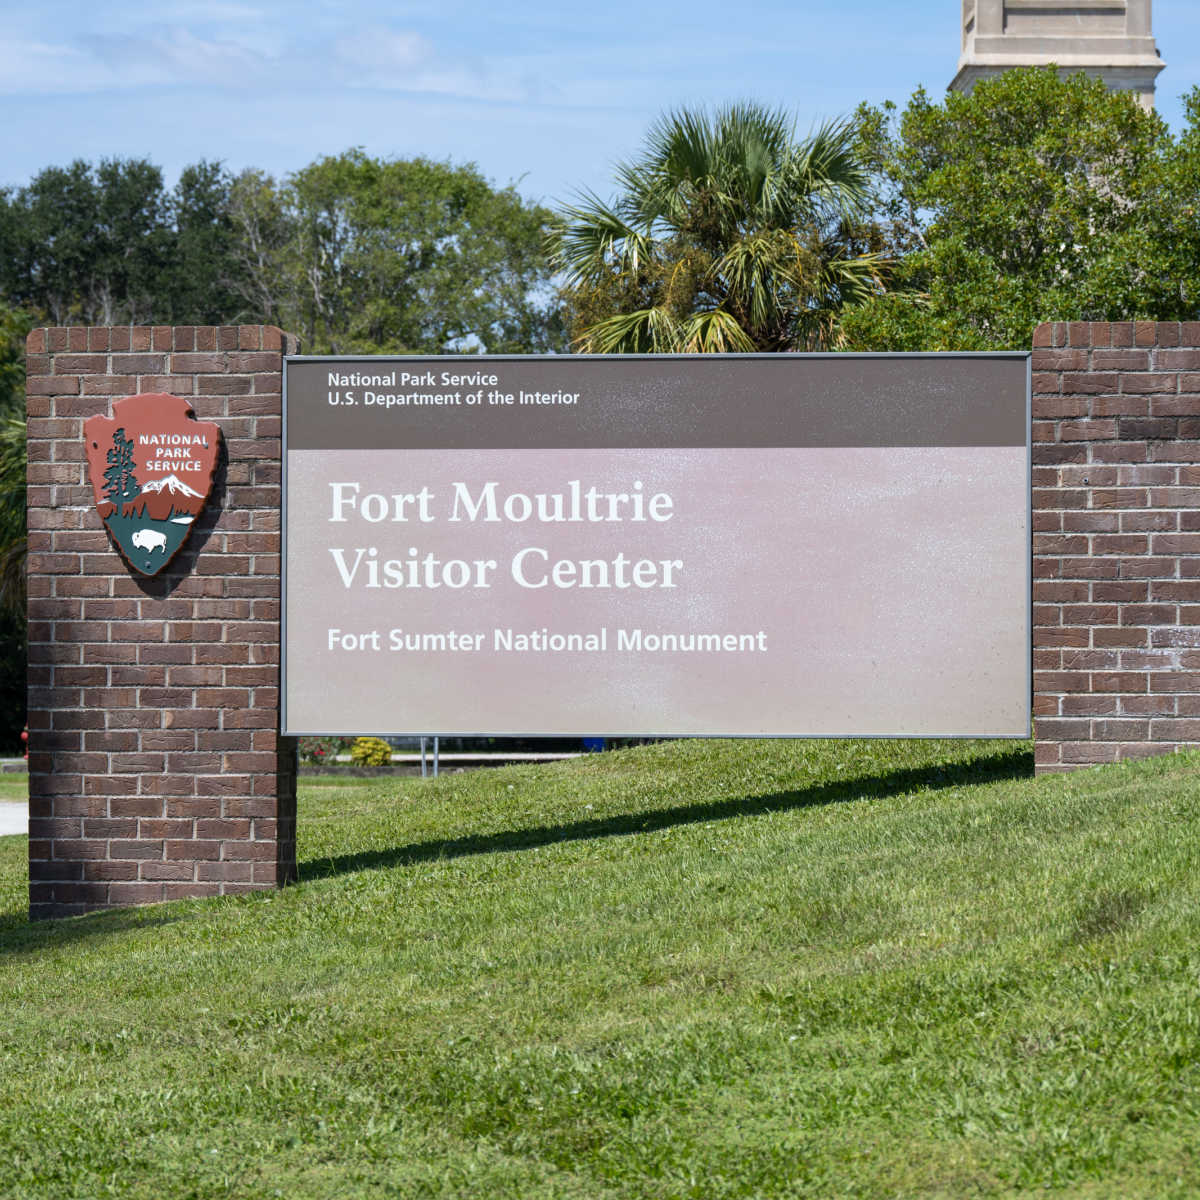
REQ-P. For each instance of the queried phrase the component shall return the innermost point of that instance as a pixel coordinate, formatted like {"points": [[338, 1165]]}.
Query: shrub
{"points": [[321, 751], [370, 752]]}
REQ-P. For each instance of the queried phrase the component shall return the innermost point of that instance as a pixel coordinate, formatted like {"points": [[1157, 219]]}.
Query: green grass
{"points": [[13, 787], [700, 969]]}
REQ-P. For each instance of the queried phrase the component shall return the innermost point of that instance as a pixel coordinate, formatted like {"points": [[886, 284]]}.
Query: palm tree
{"points": [[728, 234]]}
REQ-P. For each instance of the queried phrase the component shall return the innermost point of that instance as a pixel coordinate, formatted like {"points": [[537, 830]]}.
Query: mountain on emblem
{"points": [[173, 484], [151, 465]]}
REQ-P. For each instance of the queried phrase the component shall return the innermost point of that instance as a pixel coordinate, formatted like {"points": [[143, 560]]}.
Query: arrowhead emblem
{"points": [[151, 465]]}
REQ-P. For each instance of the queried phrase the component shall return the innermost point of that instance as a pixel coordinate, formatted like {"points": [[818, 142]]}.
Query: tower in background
{"points": [[1108, 39]]}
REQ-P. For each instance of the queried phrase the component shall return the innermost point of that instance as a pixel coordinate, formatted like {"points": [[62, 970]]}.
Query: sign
{"points": [[151, 465], [747, 545]]}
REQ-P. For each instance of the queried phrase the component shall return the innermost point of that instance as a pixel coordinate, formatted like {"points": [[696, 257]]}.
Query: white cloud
{"points": [[374, 58], [44, 68], [105, 62], [383, 51], [405, 61], [177, 56], [210, 14]]}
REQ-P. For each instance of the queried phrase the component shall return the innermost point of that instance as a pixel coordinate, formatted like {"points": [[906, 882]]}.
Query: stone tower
{"points": [[1110, 39]]}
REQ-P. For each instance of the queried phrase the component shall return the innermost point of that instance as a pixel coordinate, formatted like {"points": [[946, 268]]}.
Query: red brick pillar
{"points": [[1116, 543], [156, 769]]}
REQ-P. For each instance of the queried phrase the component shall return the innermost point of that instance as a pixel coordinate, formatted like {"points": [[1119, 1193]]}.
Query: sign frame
{"points": [[479, 360]]}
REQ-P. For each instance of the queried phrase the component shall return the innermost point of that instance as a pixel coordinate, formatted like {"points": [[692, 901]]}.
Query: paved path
{"points": [[14, 818]]}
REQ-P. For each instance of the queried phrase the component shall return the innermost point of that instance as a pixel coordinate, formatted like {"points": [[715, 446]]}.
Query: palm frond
{"points": [[825, 167], [681, 146], [844, 281], [593, 239], [727, 232], [715, 332], [753, 269], [643, 331], [753, 145], [13, 559], [852, 279]]}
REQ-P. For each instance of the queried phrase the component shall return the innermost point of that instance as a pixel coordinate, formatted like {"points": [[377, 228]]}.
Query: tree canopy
{"points": [[1033, 198], [109, 244], [727, 233], [354, 253], [362, 255]]}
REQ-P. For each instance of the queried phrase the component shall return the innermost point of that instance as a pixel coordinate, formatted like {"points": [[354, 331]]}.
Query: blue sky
{"points": [[544, 95]]}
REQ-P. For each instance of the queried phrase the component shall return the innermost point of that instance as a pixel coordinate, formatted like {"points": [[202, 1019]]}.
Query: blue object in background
{"points": [[591, 745]]}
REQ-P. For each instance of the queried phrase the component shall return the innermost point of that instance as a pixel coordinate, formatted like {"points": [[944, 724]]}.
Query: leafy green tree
{"points": [[727, 234], [14, 325], [203, 283], [359, 254], [88, 244], [109, 244], [354, 253], [1155, 269], [12, 514], [262, 231], [1033, 198]]}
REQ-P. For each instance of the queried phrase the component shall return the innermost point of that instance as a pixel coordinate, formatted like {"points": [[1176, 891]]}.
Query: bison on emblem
{"points": [[150, 539]]}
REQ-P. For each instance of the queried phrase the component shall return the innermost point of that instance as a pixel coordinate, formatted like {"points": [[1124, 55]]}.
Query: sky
{"points": [[543, 96]]}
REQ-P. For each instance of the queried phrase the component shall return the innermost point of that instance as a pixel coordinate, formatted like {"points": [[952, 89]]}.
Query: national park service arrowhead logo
{"points": [[151, 464]]}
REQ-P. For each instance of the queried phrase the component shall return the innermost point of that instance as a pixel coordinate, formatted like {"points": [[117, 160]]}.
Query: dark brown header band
{"points": [[693, 402]]}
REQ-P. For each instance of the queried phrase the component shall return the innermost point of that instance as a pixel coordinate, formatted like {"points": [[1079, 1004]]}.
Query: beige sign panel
{"points": [[785, 545]]}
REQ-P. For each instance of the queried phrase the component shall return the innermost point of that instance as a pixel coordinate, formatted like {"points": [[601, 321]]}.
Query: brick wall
{"points": [[155, 766], [156, 769], [1116, 543]]}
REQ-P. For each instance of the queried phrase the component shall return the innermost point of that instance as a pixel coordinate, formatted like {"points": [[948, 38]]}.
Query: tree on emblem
{"points": [[120, 483]]}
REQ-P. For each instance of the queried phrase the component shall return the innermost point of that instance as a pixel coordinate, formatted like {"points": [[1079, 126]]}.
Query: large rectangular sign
{"points": [[751, 545]]}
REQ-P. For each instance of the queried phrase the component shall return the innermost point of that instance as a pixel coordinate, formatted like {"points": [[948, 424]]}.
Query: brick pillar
{"points": [[156, 769], [1116, 543]]}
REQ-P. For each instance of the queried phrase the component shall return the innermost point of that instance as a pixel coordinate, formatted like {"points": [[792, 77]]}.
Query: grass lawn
{"points": [[13, 787], [697, 969]]}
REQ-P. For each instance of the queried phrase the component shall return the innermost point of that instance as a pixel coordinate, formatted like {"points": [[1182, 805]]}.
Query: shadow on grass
{"points": [[1014, 764], [20, 935]]}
